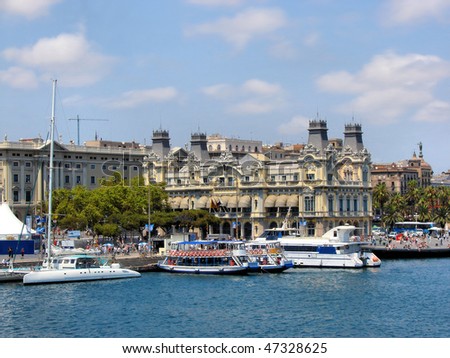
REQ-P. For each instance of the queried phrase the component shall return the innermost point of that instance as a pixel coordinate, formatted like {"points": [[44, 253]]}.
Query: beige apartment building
{"points": [[396, 176]]}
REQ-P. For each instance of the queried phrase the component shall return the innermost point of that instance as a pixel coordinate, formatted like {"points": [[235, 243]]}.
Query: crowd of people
{"points": [[411, 240]]}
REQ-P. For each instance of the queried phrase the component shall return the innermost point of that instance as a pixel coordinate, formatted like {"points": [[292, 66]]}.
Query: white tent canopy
{"points": [[10, 225]]}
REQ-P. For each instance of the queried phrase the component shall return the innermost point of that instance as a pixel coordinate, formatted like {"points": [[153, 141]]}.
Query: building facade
{"points": [[317, 185], [396, 176], [24, 168], [320, 187]]}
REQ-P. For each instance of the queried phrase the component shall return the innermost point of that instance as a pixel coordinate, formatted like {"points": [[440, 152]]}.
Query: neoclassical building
{"points": [[324, 185]]}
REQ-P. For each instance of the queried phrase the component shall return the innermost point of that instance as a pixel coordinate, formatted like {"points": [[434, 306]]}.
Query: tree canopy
{"points": [[117, 206]]}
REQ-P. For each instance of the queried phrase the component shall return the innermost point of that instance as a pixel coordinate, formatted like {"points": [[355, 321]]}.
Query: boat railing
{"points": [[199, 253]]}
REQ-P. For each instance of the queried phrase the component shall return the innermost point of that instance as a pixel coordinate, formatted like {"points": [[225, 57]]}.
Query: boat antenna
{"points": [[50, 178]]}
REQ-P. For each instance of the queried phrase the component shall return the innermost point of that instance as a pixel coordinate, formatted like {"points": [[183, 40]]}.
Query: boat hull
{"points": [[213, 270], [325, 261], [70, 275], [274, 268]]}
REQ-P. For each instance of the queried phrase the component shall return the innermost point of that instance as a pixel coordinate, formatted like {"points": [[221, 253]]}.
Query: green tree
{"points": [[381, 196]]}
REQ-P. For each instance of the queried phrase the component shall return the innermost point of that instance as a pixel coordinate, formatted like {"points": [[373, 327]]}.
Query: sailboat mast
{"points": [[50, 178]]}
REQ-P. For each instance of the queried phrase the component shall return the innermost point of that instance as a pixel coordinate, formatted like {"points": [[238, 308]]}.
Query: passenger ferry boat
{"points": [[208, 257], [72, 268], [337, 248], [269, 255]]}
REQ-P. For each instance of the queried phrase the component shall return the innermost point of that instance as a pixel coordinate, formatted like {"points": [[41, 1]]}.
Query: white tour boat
{"points": [[75, 267], [208, 257], [338, 248], [269, 255]]}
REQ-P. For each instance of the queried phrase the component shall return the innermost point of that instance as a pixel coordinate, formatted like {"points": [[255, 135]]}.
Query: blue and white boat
{"points": [[213, 257], [269, 255]]}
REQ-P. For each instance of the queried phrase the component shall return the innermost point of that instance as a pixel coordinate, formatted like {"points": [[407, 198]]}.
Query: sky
{"points": [[249, 69]]}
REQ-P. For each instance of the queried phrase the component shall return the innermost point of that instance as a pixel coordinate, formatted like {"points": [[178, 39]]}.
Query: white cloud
{"points": [[136, 98], [244, 27], [255, 86], [296, 125], [253, 107], [435, 111], [28, 8], [254, 96], [389, 86], [219, 91], [17, 77], [282, 49], [406, 11], [68, 57]]}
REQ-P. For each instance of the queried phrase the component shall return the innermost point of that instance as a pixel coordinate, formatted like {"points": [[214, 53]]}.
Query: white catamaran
{"points": [[74, 267]]}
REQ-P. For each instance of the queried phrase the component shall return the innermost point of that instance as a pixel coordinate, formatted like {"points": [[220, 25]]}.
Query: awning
{"points": [[245, 201], [184, 204], [292, 201], [202, 203], [224, 200], [281, 201], [232, 201], [270, 201], [175, 202], [214, 203]]}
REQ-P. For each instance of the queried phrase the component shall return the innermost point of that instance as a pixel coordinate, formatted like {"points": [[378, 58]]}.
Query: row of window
{"points": [[230, 148]]}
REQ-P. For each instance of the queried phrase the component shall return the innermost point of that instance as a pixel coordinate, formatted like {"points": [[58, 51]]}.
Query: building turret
{"points": [[353, 137], [199, 146], [318, 134], [161, 143]]}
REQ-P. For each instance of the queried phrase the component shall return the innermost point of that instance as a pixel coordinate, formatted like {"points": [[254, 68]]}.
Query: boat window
{"points": [[300, 248]]}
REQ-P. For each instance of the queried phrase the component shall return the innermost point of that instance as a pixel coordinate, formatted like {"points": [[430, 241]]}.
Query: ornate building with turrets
{"points": [[324, 185]]}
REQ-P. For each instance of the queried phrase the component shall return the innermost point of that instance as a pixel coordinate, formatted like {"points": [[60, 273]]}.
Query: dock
{"points": [[409, 253]]}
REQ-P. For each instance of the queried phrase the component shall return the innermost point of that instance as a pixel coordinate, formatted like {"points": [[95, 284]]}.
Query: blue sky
{"points": [[253, 69]]}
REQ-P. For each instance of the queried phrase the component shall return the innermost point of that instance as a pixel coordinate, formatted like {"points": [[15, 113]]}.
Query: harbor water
{"points": [[401, 299]]}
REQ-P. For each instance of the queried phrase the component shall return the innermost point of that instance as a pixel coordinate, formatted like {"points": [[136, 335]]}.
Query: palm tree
{"points": [[442, 216], [381, 196], [412, 196], [391, 216]]}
